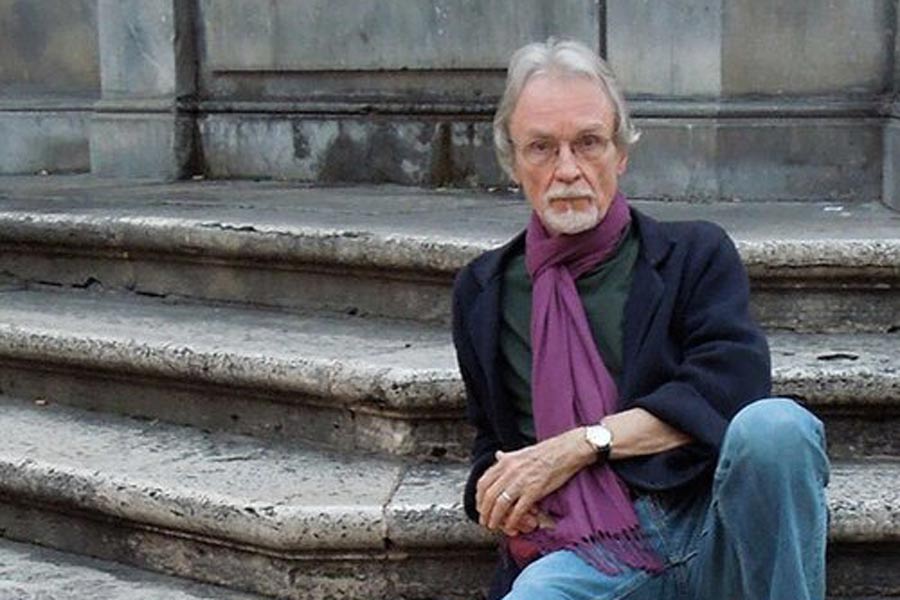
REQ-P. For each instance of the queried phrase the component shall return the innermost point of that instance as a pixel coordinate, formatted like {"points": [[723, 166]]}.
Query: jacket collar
{"points": [[655, 244], [490, 265]]}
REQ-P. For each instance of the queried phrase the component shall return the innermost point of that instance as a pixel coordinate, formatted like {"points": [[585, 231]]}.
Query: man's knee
{"points": [[774, 433]]}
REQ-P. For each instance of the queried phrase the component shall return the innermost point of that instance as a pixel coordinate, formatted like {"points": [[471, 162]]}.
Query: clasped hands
{"points": [[507, 493]]}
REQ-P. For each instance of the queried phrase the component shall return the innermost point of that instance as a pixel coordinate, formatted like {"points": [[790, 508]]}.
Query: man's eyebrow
{"points": [[598, 128]]}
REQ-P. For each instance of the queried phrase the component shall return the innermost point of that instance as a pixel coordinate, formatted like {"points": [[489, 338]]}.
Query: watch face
{"points": [[599, 436]]}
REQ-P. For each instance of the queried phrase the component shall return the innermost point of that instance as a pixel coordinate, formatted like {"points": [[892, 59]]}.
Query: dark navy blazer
{"points": [[693, 356]]}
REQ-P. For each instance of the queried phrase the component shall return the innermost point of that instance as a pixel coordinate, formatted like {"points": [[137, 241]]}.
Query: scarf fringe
{"points": [[612, 554], [616, 553]]}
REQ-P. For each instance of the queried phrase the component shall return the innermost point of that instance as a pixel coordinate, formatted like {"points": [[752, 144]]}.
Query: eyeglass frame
{"points": [[556, 148]]}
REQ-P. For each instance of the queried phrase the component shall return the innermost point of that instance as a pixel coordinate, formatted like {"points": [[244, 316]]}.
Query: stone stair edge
{"points": [[382, 380], [281, 497], [823, 369], [28, 571], [369, 241], [393, 527]]}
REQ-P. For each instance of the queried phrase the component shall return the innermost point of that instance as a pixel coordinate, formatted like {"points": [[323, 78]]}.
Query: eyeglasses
{"points": [[540, 152]]}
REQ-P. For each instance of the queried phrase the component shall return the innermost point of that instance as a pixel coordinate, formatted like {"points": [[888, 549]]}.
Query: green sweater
{"points": [[603, 292]]}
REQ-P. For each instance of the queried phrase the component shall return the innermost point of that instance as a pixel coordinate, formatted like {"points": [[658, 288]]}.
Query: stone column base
{"points": [[142, 145], [891, 193]]}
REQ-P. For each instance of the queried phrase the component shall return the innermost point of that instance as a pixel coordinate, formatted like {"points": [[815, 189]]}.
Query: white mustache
{"points": [[569, 192]]}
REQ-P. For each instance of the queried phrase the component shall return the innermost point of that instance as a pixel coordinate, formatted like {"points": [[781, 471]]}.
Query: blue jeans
{"points": [[758, 534]]}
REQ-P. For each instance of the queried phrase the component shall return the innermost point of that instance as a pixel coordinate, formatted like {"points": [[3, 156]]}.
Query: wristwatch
{"points": [[600, 437]]}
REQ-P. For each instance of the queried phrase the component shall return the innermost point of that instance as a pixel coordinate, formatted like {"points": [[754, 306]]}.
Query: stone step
{"points": [[347, 382], [296, 522], [393, 251], [30, 572]]}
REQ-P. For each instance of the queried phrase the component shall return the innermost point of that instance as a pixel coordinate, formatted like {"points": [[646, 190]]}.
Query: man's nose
{"points": [[567, 168]]}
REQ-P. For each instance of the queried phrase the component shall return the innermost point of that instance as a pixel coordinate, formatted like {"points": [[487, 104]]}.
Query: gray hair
{"points": [[557, 56]]}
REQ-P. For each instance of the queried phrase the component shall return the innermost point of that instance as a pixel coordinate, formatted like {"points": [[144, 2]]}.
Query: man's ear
{"points": [[513, 175], [622, 164]]}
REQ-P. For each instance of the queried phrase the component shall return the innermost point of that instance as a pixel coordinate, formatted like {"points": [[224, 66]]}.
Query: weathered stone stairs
{"points": [[252, 384]]}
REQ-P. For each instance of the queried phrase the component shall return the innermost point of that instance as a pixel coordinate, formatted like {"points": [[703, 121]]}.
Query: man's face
{"points": [[566, 161]]}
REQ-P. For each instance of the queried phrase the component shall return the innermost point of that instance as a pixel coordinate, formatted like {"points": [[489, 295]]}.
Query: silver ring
{"points": [[507, 497]]}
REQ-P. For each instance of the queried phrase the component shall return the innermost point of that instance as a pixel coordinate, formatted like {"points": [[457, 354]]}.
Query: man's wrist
{"points": [[600, 438]]}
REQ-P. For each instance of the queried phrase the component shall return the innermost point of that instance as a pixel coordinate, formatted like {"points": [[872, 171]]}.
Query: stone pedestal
{"points": [[892, 160], [144, 125], [891, 193]]}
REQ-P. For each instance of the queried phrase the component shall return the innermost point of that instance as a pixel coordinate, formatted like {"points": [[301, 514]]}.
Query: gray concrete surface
{"points": [[147, 52], [823, 266], [345, 382], [891, 193], [405, 95], [48, 47], [414, 151], [372, 35], [49, 141], [220, 507], [398, 366], [30, 572], [864, 499], [444, 228], [897, 52], [676, 63], [687, 158], [141, 145], [763, 158], [139, 51], [764, 51], [732, 47], [226, 487]]}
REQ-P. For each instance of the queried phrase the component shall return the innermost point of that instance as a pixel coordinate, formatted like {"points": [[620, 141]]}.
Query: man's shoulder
{"points": [[694, 235], [684, 229], [488, 265]]}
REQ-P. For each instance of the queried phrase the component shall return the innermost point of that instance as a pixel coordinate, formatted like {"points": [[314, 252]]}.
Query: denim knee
{"points": [[776, 434]]}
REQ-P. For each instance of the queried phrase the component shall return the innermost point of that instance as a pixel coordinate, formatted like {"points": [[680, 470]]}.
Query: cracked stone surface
{"points": [[401, 365], [396, 365], [179, 478], [294, 498], [864, 501], [34, 573], [398, 227], [427, 508], [854, 369]]}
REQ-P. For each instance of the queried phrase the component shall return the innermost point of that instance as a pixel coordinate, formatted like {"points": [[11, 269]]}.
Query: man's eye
{"points": [[589, 142], [540, 146]]}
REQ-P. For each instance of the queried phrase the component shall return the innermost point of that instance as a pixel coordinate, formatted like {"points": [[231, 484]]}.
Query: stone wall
{"points": [[737, 99], [49, 80], [891, 192], [394, 92], [761, 99]]}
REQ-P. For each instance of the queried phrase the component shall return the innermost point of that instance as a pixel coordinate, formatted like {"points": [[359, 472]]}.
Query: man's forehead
{"points": [[547, 98]]}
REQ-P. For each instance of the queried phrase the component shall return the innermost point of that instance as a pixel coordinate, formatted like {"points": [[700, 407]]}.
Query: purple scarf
{"points": [[571, 387]]}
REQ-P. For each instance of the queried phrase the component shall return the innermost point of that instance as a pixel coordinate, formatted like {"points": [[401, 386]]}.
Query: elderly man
{"points": [[611, 367]]}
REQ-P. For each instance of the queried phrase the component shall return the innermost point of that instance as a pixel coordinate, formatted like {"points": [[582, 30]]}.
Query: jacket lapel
{"points": [[484, 318], [646, 289]]}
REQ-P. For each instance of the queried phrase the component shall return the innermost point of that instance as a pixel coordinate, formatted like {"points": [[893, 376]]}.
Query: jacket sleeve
{"points": [[720, 363], [486, 443]]}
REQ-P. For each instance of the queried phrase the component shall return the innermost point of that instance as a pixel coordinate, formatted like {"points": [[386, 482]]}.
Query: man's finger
{"points": [[526, 524], [486, 480], [498, 513], [499, 499], [521, 510], [487, 490]]}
